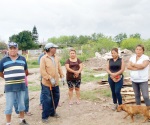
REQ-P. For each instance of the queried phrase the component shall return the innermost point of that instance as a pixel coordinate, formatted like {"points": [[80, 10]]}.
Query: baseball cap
{"points": [[50, 45], [12, 44]]}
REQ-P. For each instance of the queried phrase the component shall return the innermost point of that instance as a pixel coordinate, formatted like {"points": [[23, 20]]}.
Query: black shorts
{"points": [[74, 83]]}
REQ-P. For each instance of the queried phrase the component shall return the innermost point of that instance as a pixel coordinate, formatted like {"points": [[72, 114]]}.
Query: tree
{"points": [[96, 37], [136, 35], [130, 43], [3, 45], [120, 37], [146, 44], [13, 38], [73, 39], [35, 35], [53, 40], [83, 39], [24, 40]]}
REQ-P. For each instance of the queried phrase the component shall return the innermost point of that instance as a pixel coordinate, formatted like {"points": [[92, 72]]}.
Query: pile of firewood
{"points": [[128, 95]]}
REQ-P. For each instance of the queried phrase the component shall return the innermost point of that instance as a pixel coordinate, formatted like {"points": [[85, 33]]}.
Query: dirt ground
{"points": [[87, 113]]}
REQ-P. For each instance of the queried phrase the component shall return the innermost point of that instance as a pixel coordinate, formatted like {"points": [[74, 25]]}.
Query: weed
{"points": [[93, 95], [34, 88]]}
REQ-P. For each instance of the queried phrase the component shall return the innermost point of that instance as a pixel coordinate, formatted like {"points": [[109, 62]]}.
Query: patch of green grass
{"points": [[29, 82], [33, 64], [88, 75], [93, 95], [90, 71], [89, 95], [34, 88], [105, 92], [89, 78], [147, 53]]}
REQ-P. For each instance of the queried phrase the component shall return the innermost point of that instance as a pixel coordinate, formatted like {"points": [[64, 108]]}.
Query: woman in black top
{"points": [[115, 68]]}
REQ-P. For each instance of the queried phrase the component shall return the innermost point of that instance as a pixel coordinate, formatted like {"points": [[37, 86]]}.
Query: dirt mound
{"points": [[95, 63], [100, 61]]}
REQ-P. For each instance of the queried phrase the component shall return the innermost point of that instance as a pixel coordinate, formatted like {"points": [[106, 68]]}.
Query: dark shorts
{"points": [[74, 83]]}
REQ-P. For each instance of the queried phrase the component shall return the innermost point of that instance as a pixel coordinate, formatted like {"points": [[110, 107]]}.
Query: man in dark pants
{"points": [[43, 53], [50, 69]]}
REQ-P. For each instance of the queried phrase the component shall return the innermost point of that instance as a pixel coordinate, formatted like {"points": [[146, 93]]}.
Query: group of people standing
{"points": [[50, 69], [14, 69], [139, 72]]}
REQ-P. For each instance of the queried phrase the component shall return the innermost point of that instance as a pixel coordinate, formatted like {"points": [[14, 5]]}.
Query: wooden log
{"points": [[132, 101], [104, 85], [100, 75], [102, 82], [127, 93], [98, 69], [130, 93], [129, 89], [129, 97]]}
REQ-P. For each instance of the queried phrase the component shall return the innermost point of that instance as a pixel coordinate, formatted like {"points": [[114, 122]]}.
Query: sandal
{"points": [[28, 113], [70, 103], [78, 102]]}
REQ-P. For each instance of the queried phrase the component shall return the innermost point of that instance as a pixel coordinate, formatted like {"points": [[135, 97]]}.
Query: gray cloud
{"points": [[74, 17]]}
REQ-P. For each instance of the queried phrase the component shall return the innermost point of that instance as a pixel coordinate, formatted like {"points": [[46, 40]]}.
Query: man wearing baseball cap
{"points": [[50, 69], [13, 68]]}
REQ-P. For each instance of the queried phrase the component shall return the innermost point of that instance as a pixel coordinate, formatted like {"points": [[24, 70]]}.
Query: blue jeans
{"points": [[10, 99], [26, 102], [115, 89], [41, 99], [47, 104]]}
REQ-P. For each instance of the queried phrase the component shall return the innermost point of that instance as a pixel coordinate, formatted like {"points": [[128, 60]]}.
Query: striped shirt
{"points": [[14, 73]]}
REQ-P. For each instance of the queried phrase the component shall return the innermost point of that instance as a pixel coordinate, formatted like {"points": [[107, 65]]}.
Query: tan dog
{"points": [[135, 109]]}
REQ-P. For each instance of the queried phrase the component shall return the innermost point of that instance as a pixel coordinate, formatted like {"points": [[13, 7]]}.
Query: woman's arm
{"points": [[81, 67], [141, 66], [69, 69], [79, 71], [134, 66], [130, 66]]}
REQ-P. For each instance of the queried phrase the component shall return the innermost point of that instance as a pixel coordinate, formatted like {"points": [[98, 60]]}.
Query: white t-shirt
{"points": [[139, 75]]}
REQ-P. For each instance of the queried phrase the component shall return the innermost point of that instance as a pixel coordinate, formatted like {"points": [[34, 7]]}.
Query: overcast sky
{"points": [[74, 17]]}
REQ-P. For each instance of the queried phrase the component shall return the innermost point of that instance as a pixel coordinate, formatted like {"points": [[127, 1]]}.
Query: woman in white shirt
{"points": [[139, 68]]}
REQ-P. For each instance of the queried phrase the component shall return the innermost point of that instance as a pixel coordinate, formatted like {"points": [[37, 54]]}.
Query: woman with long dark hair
{"points": [[115, 68]]}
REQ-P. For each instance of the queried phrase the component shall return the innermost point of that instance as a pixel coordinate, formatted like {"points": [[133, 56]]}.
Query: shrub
{"points": [[130, 43], [64, 56]]}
